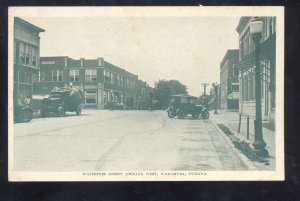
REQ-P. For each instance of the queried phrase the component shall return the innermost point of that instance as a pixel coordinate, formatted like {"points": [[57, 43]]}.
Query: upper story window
{"points": [[118, 80], [112, 78], [121, 81], [235, 70], [74, 75], [127, 83], [90, 75], [57, 75], [27, 53]]}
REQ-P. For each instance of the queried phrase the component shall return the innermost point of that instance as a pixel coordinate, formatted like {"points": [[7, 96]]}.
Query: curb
{"points": [[247, 162]]}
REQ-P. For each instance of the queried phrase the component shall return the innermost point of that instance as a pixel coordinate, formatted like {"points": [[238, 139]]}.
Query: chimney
{"points": [[81, 61], [100, 61]]}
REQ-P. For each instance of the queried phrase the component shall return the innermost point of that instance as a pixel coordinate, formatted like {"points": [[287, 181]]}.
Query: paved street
{"points": [[121, 140]]}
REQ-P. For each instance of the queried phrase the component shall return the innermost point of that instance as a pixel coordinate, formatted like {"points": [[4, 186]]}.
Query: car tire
{"points": [[43, 113], [60, 112], [78, 110], [181, 114], [26, 116], [205, 114], [171, 113]]}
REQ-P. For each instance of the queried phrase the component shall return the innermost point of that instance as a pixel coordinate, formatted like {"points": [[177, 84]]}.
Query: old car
{"points": [[182, 105], [61, 100]]}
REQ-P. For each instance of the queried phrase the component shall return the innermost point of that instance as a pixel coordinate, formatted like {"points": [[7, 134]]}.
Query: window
{"points": [[121, 81], [74, 75], [34, 55], [90, 97], [235, 70], [22, 52], [112, 78], [91, 75], [107, 76], [235, 87], [57, 75]]}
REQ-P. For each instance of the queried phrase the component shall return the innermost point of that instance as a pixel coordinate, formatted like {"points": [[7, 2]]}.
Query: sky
{"points": [[188, 49]]}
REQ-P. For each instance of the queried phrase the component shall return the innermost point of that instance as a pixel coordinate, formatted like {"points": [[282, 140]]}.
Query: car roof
{"points": [[183, 95]]}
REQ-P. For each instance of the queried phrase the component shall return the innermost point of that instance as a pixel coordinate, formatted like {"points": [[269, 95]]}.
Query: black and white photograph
{"points": [[146, 93]]}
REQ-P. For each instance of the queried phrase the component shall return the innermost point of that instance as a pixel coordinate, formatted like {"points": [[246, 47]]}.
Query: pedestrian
{"points": [[27, 100]]}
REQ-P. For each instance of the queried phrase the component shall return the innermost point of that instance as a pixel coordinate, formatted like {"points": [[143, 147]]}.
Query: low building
{"points": [[26, 58], [229, 79], [105, 85], [247, 67]]}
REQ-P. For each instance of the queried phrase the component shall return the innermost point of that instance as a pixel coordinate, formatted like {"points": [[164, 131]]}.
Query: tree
{"points": [[165, 88]]}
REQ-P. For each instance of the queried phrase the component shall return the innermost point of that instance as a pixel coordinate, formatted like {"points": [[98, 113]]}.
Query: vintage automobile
{"points": [[61, 100], [182, 105]]}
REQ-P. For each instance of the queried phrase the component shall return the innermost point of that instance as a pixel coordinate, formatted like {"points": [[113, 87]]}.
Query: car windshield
{"points": [[192, 100], [184, 100], [172, 100]]}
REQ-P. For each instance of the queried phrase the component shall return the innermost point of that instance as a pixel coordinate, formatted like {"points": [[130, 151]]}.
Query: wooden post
{"points": [[240, 119], [247, 127]]}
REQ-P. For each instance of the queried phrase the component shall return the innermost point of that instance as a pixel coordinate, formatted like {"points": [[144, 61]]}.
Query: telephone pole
{"points": [[204, 85], [204, 100]]}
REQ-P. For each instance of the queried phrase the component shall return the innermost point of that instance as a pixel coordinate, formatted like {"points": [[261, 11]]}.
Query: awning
{"points": [[234, 95]]}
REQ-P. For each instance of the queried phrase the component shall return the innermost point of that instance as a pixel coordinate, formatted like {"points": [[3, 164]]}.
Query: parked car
{"points": [[183, 105], [62, 100]]}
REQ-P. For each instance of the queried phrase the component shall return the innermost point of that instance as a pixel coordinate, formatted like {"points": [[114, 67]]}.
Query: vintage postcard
{"points": [[146, 93]]}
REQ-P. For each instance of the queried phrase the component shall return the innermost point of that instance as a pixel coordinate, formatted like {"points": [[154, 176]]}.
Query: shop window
{"points": [[90, 97]]}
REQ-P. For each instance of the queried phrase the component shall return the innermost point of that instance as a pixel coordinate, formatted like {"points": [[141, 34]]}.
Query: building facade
{"points": [[105, 85], [26, 58], [229, 80], [247, 67]]}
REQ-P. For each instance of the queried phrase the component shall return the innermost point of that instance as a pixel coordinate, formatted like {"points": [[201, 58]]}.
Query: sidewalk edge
{"points": [[243, 158]]}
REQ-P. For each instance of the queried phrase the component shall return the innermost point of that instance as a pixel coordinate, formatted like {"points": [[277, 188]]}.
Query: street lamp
{"points": [[256, 29], [215, 85]]}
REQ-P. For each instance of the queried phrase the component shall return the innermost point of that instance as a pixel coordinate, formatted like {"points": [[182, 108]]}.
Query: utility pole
{"points": [[204, 96], [204, 85]]}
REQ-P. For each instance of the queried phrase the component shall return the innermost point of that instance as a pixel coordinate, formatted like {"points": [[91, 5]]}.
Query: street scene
{"points": [[135, 94], [142, 141]]}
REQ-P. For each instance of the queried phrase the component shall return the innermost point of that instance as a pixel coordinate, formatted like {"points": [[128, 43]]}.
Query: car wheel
{"points": [[205, 114], [43, 113], [26, 116], [181, 114], [171, 113], [78, 110], [60, 112]]}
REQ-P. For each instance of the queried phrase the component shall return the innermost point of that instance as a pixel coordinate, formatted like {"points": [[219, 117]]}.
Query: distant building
{"points": [[105, 85], [229, 79], [26, 58], [247, 67]]}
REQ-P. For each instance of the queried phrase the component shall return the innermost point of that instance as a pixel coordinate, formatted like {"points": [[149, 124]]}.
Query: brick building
{"points": [[104, 84], [229, 80], [26, 58], [247, 67]]}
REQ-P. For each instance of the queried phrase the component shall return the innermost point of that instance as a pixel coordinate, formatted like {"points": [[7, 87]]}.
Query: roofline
{"points": [[29, 24], [226, 55]]}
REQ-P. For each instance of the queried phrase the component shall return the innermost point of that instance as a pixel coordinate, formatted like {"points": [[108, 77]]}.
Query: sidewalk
{"points": [[231, 120]]}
